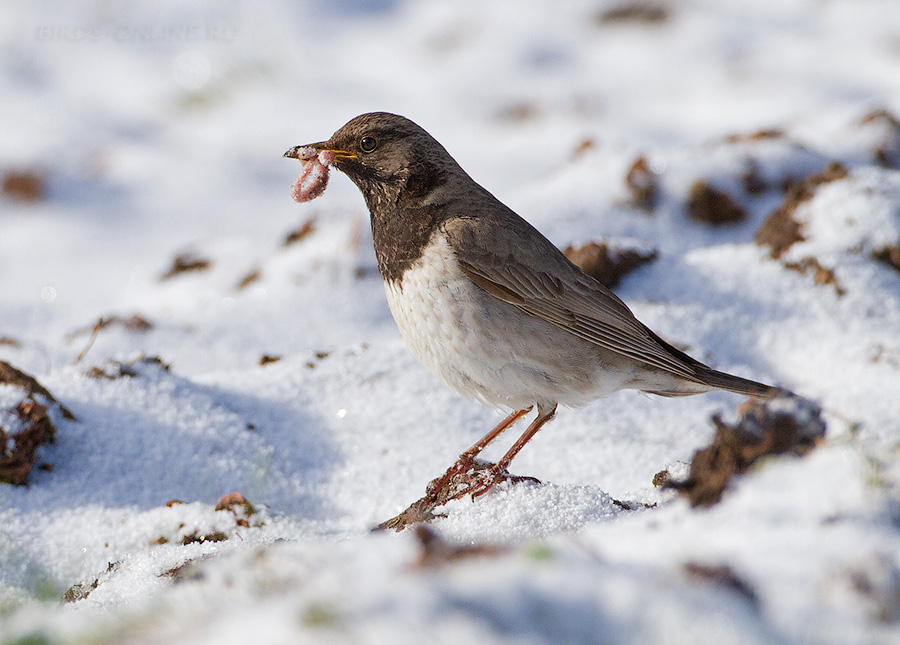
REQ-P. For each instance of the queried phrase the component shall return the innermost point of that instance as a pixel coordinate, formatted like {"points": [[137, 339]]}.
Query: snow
{"points": [[832, 224], [159, 131]]}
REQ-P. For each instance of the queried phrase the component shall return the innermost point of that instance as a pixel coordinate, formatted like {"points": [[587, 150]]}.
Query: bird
{"points": [[485, 301]]}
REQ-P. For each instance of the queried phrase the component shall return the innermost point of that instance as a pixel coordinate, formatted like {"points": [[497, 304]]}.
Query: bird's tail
{"points": [[736, 384], [705, 375]]}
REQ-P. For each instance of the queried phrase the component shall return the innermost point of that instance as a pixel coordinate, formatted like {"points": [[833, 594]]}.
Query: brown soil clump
{"points": [[784, 425], [642, 184], [607, 265], [24, 185], [186, 263], [781, 229], [713, 206]]}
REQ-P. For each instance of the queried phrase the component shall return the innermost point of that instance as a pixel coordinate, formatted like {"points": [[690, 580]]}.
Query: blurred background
{"points": [[134, 132]]}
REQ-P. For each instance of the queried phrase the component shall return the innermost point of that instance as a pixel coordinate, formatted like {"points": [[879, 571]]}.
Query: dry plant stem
{"points": [[496, 472], [94, 332], [465, 459]]}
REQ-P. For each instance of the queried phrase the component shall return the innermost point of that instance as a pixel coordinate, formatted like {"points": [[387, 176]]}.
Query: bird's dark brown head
{"points": [[387, 155], [409, 181]]}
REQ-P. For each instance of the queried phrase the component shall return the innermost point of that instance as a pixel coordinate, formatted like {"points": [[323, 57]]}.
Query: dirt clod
{"points": [[299, 233], [24, 185], [25, 427], [887, 151], [766, 134], [784, 424], [111, 372], [188, 262], [781, 230], [661, 478], [712, 206], [643, 185], [234, 501], [584, 146], [639, 12], [889, 255], [114, 370], [14, 376], [607, 265], [822, 275], [632, 506], [252, 276], [31, 427], [198, 538], [238, 506], [82, 590]]}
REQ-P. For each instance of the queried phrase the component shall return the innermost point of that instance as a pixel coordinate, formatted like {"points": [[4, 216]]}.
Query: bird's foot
{"points": [[466, 476], [419, 511], [491, 475], [439, 488]]}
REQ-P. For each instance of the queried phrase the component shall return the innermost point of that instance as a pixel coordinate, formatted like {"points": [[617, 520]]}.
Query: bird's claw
{"points": [[494, 475]]}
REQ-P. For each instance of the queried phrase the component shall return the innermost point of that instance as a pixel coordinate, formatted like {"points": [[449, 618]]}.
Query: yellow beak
{"points": [[297, 152]]}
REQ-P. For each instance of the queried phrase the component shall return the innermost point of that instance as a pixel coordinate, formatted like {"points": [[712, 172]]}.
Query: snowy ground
{"points": [[158, 131]]}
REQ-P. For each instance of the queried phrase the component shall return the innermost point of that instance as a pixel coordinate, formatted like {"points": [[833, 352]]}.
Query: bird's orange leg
{"points": [[465, 459], [495, 474]]}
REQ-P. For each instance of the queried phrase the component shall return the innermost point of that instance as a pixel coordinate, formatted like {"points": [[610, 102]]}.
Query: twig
{"points": [[94, 332]]}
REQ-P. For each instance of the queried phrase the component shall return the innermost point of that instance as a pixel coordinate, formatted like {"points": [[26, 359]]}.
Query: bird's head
{"points": [[384, 153]]}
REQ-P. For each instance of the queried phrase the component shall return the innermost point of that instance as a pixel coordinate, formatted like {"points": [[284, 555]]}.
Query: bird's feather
{"points": [[563, 295]]}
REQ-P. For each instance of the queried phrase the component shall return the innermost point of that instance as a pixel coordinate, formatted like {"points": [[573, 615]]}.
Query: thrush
{"points": [[485, 301]]}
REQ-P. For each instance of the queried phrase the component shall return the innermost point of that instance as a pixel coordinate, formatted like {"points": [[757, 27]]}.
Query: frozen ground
{"points": [[158, 131]]}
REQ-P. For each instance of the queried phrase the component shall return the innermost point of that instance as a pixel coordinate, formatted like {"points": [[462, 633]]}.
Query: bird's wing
{"points": [[523, 268]]}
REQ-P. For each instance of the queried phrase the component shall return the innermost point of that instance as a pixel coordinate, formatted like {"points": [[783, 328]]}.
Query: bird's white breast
{"points": [[485, 348]]}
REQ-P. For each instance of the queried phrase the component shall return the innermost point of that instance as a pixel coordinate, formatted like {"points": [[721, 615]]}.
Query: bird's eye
{"points": [[367, 144]]}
